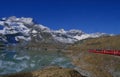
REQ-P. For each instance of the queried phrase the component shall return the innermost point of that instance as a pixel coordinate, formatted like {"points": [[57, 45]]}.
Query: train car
{"points": [[105, 51]]}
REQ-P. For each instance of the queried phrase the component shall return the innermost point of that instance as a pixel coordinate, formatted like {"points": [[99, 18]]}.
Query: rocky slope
{"points": [[97, 65], [49, 72]]}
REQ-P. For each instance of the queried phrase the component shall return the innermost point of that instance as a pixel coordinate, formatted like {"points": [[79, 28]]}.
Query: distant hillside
{"points": [[98, 65]]}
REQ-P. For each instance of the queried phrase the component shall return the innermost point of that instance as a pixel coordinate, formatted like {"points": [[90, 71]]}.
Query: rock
{"points": [[49, 72]]}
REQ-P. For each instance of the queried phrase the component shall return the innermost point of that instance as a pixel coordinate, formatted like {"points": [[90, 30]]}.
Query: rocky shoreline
{"points": [[49, 72]]}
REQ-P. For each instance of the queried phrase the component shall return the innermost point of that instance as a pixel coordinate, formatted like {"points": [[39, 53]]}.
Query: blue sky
{"points": [[87, 15]]}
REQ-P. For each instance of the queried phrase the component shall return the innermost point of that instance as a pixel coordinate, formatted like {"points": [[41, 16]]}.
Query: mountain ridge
{"points": [[30, 30]]}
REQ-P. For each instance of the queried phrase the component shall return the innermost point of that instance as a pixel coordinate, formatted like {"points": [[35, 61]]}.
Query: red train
{"points": [[111, 52]]}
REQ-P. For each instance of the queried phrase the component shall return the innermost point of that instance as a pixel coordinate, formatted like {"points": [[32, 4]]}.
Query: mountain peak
{"points": [[29, 29]]}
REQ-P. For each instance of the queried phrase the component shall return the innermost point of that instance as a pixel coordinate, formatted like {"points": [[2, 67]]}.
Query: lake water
{"points": [[16, 60]]}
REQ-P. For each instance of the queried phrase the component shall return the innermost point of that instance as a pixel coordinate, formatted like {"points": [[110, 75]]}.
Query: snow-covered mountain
{"points": [[26, 29]]}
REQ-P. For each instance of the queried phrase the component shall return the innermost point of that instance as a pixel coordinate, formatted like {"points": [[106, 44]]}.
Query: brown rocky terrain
{"points": [[49, 72], [98, 65]]}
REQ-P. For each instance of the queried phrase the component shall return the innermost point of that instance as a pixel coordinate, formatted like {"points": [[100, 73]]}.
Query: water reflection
{"points": [[12, 61]]}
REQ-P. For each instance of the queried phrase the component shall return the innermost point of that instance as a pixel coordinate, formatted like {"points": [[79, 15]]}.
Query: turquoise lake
{"points": [[18, 60]]}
